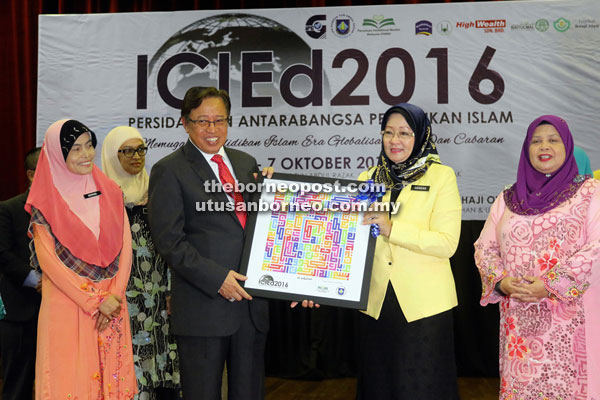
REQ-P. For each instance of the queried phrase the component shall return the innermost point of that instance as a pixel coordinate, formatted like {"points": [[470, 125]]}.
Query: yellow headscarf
{"points": [[135, 187]]}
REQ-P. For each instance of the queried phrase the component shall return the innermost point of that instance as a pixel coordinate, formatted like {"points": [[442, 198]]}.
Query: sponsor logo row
{"points": [[343, 26]]}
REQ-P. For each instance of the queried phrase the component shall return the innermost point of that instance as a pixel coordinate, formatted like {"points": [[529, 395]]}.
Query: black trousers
{"points": [[202, 359], [400, 360], [18, 342]]}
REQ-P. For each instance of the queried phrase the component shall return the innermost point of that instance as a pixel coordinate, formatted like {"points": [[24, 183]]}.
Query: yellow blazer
{"points": [[415, 258]]}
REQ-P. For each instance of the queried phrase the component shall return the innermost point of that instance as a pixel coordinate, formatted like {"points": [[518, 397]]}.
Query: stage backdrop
{"points": [[309, 85]]}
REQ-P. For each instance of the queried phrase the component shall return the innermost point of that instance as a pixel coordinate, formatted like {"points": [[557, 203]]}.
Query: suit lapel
{"points": [[198, 162], [205, 172]]}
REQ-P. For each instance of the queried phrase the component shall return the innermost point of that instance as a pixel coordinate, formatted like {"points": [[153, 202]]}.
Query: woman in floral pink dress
{"points": [[539, 256]]}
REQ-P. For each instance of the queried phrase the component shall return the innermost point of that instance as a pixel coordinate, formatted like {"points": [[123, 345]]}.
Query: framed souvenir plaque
{"points": [[307, 241]]}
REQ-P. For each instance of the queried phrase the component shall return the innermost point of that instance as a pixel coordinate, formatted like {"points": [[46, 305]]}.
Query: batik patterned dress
{"points": [[154, 349], [548, 349]]}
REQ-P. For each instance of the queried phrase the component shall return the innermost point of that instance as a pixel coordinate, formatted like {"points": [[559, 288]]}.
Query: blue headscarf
{"points": [[583, 161]]}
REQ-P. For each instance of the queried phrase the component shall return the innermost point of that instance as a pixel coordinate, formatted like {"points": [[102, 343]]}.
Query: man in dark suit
{"points": [[215, 321], [19, 285]]}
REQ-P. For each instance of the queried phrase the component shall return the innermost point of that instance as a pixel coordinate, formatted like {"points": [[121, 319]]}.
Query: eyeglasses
{"points": [[129, 152], [204, 123], [402, 135]]}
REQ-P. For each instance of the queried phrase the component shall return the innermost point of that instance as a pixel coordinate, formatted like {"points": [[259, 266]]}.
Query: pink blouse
{"points": [[549, 349]]}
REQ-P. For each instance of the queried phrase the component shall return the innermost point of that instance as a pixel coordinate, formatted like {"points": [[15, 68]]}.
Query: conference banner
{"points": [[309, 85]]}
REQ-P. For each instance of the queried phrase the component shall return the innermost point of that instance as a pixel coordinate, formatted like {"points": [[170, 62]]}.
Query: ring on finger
{"points": [[231, 299]]}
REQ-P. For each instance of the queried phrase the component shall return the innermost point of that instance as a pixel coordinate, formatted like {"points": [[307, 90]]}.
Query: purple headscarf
{"points": [[535, 193]]}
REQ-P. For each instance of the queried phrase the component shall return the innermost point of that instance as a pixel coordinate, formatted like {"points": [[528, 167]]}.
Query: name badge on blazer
{"points": [[419, 188]]}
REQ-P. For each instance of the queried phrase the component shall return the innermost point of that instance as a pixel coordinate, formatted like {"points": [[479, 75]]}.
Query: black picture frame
{"points": [[366, 248]]}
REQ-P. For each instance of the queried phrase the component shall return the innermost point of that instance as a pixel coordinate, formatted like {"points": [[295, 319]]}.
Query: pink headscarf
{"points": [[92, 228]]}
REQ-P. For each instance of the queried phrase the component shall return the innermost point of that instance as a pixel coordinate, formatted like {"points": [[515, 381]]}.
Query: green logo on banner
{"points": [[562, 24], [542, 25], [378, 21]]}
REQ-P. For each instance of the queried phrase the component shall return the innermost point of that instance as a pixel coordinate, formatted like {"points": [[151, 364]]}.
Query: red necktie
{"points": [[226, 177]]}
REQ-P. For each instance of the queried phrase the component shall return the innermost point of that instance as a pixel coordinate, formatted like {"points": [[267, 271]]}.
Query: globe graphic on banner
{"points": [[234, 34]]}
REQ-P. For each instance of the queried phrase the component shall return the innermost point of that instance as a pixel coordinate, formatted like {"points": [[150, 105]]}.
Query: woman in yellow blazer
{"points": [[406, 333]]}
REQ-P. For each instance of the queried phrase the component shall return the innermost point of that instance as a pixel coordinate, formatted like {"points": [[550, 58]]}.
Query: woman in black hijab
{"points": [[406, 333]]}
